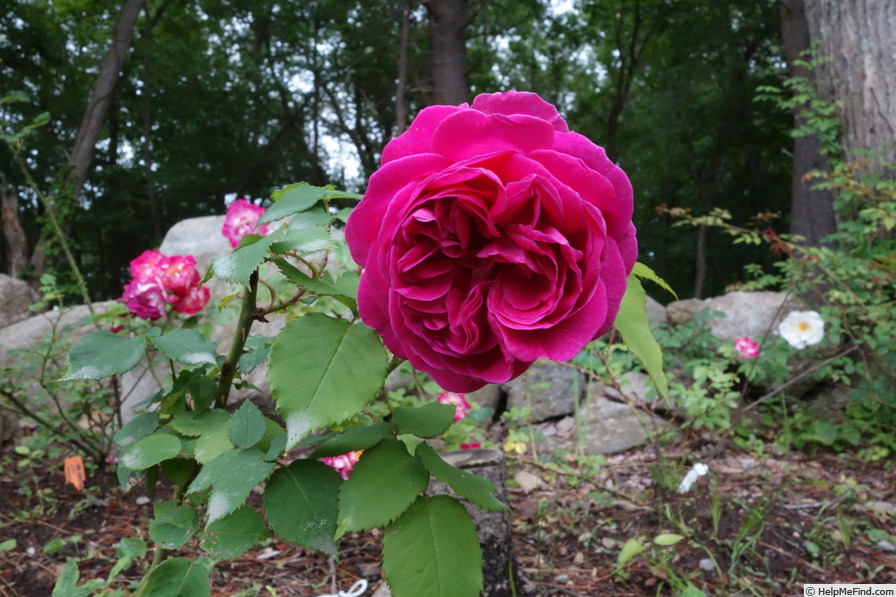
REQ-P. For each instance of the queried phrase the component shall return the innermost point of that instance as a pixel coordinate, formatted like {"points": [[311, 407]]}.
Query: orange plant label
{"points": [[74, 472]]}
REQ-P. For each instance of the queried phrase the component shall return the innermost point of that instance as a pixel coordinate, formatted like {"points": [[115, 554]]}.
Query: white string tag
{"points": [[356, 590]]}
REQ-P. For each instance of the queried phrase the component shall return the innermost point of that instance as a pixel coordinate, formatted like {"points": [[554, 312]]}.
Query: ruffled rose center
{"points": [[474, 258]]}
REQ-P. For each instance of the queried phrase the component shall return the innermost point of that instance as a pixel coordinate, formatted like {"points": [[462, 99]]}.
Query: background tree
{"points": [[858, 37], [811, 209], [236, 98]]}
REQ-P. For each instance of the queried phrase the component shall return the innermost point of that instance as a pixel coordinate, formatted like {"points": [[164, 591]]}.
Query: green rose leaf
{"points": [[202, 389], [467, 485], [433, 551], [67, 583], [212, 444], [177, 577], [382, 485], [239, 265], [173, 524], [342, 368], [426, 421], [101, 353], [353, 438], [255, 353], [290, 200], [149, 451], [303, 241], [346, 291], [231, 476], [247, 426], [635, 330], [136, 429], [186, 346], [196, 424], [235, 534], [300, 504]]}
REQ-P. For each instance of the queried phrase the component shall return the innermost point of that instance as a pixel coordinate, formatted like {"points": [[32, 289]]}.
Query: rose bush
{"points": [[492, 236]]}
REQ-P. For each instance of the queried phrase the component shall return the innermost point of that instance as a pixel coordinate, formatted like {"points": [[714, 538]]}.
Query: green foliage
{"points": [[177, 577], [235, 534], [300, 503], [632, 324], [173, 524], [387, 475], [432, 550], [326, 372], [319, 393], [102, 354]]}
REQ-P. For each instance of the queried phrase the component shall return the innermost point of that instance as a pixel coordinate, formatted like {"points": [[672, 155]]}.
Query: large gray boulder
{"points": [[15, 298], [743, 313]]}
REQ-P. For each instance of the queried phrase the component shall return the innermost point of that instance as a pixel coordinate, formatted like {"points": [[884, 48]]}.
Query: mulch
{"points": [[751, 526]]}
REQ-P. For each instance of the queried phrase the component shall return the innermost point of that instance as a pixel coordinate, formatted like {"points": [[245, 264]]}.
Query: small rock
{"points": [[608, 543], [527, 481], [707, 564], [885, 545], [561, 579], [369, 569], [878, 506], [579, 558], [142, 500]]}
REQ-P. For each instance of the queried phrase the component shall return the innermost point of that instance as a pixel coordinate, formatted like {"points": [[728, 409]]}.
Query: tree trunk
{"points": [[101, 97], [858, 36], [811, 210], [401, 97], [448, 51], [16, 242]]}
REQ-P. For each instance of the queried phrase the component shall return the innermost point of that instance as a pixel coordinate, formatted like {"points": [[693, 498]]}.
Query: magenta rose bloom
{"points": [[240, 220], [158, 281], [492, 236]]}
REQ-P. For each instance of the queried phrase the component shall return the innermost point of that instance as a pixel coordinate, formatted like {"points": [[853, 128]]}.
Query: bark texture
{"points": [[811, 210], [101, 96], [858, 36], [448, 51], [14, 235]]}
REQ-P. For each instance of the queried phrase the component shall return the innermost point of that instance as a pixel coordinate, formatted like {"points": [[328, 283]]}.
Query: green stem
{"points": [[247, 316], [50, 209]]}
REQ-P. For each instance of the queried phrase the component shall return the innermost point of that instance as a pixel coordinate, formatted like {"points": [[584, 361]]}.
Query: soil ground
{"points": [[752, 526]]}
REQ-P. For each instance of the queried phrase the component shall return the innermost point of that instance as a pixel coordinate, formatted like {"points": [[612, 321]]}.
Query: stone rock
{"points": [[740, 313], [19, 341], [610, 427], [199, 237], [32, 332], [683, 311], [634, 384], [15, 298], [752, 314], [487, 397], [551, 389], [527, 481], [9, 427], [656, 312]]}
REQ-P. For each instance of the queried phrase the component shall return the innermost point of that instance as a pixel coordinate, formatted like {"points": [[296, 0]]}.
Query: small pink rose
{"points": [[344, 464], [158, 281], [459, 401], [746, 348], [492, 236], [241, 218], [145, 298]]}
